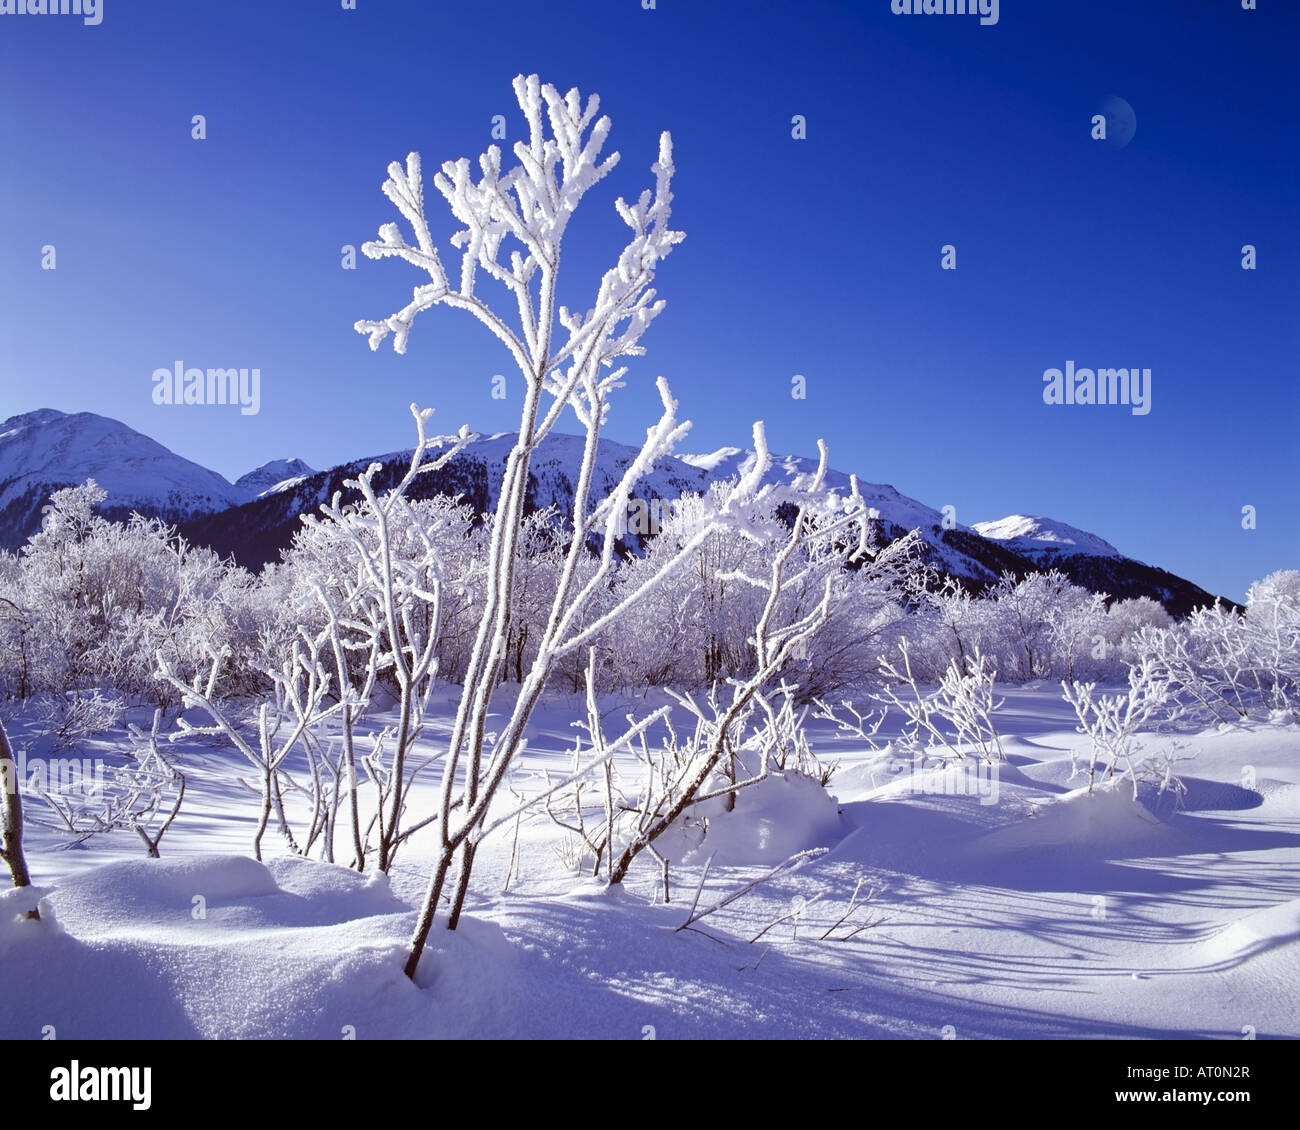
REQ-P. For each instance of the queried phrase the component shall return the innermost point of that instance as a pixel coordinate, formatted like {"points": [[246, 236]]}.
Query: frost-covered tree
{"points": [[954, 612], [1272, 622], [89, 601], [868, 617], [1229, 665], [1124, 620], [1075, 622], [514, 223], [1023, 611]]}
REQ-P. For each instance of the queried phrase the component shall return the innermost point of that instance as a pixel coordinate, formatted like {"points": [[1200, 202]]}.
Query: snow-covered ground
{"points": [[1015, 906]]}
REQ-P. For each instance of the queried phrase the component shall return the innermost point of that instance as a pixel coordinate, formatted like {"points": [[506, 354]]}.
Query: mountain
{"points": [[254, 519], [257, 531], [275, 475], [1043, 539], [45, 450]]}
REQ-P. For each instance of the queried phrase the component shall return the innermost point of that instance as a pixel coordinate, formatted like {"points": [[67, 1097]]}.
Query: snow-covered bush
{"points": [[1124, 620], [622, 811], [90, 601], [1230, 665], [946, 625], [1272, 623], [697, 631], [1040, 623], [68, 718], [866, 614], [748, 727], [1035, 627], [144, 795], [963, 700], [1112, 722], [368, 583], [524, 211]]}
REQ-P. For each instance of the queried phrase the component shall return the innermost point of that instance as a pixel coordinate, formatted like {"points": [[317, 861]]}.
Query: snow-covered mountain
{"points": [[1044, 540], [278, 474], [45, 450], [256, 517], [256, 532]]}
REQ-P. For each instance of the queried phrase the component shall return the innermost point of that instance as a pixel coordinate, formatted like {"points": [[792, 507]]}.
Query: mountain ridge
{"points": [[255, 518]]}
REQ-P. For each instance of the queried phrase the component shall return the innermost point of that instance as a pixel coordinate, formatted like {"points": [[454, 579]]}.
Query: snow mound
{"points": [[1263, 930], [780, 816], [16, 905], [1082, 822], [226, 891], [117, 895], [215, 947]]}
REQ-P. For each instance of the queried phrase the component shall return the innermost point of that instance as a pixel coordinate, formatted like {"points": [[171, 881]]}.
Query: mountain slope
{"points": [[45, 450]]}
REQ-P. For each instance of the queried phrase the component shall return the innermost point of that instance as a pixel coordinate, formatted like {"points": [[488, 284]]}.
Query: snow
{"points": [[1264, 929], [1043, 538], [780, 816], [713, 459], [1050, 913]]}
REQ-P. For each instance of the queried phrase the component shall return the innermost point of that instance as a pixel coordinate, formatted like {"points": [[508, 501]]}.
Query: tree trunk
{"points": [[11, 816]]}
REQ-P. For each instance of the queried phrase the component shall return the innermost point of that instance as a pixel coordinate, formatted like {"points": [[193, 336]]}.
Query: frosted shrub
{"points": [[1112, 721], [513, 222], [963, 700]]}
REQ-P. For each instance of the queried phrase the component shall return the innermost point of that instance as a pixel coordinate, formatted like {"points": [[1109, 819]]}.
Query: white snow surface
{"points": [[1048, 913]]}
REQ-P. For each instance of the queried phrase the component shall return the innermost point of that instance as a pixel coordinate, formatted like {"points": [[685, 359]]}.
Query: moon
{"points": [[1121, 121]]}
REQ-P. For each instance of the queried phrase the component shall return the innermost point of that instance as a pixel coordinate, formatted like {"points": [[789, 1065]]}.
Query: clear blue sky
{"points": [[819, 257]]}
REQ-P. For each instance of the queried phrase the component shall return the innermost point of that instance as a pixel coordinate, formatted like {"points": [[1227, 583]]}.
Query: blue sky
{"points": [[818, 257]]}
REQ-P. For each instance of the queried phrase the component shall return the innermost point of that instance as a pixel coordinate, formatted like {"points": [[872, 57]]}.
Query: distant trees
{"points": [[1040, 626], [89, 601], [88, 604], [1229, 665]]}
